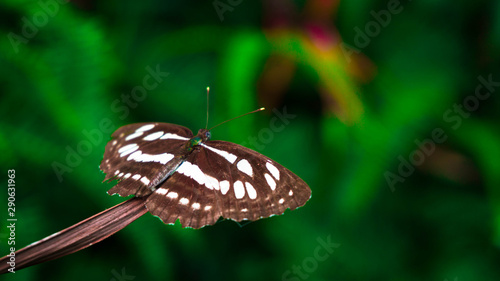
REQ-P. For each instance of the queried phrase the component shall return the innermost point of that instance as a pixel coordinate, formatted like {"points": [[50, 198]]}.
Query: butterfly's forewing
{"points": [[225, 179], [141, 155]]}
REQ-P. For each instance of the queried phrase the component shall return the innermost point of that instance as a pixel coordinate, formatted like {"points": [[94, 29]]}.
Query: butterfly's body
{"points": [[202, 136], [196, 180]]}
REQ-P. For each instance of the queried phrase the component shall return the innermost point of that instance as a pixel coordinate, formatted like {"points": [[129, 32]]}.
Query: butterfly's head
{"points": [[204, 135]]}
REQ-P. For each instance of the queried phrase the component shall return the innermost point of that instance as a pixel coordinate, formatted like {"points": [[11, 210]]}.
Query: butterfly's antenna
{"points": [[208, 90], [257, 110]]}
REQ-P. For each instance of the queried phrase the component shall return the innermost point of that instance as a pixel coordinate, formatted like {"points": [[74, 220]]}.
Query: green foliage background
{"points": [[442, 222]]}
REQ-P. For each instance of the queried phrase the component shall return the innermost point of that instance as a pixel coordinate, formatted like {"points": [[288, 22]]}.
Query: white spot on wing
{"points": [[133, 136], [184, 201], [172, 195], [173, 137], [192, 171], [270, 181], [281, 201], [162, 191], [135, 156], [252, 193], [224, 187], [239, 189], [153, 136], [126, 176], [128, 149], [274, 171], [160, 158], [244, 210], [145, 180], [136, 177], [208, 208], [117, 172], [145, 128], [228, 156], [196, 206], [290, 193], [245, 167]]}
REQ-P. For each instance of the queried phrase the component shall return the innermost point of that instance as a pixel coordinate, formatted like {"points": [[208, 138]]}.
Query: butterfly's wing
{"points": [[142, 155], [225, 179]]}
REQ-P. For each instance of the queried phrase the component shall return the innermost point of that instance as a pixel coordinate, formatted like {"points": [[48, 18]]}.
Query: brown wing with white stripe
{"points": [[142, 155], [225, 179]]}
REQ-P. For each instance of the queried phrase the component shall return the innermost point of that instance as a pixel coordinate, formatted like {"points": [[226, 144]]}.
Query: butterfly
{"points": [[195, 179]]}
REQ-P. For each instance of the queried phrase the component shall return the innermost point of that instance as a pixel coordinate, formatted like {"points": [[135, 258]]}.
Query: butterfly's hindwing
{"points": [[141, 155]]}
